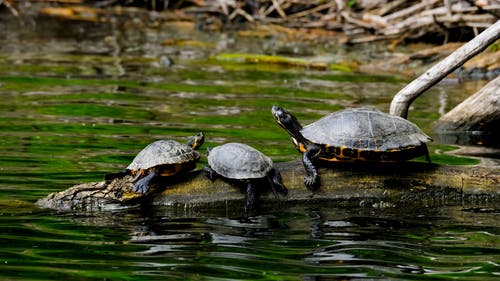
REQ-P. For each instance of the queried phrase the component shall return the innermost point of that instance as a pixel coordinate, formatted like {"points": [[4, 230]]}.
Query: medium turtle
{"points": [[353, 134], [161, 158], [240, 164]]}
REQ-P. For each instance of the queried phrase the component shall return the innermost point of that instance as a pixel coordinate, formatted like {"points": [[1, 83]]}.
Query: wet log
{"points": [[403, 99], [372, 184]]}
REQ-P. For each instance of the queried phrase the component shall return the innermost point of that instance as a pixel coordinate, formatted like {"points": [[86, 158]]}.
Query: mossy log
{"points": [[374, 184]]}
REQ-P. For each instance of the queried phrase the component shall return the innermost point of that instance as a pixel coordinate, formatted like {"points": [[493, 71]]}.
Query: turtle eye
{"points": [[281, 115], [285, 118]]}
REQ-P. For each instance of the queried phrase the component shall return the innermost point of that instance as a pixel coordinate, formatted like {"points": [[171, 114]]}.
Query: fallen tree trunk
{"points": [[379, 184], [478, 114]]}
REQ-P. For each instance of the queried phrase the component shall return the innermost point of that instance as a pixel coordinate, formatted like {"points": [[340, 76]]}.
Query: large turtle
{"points": [[353, 134], [240, 164], [161, 158]]}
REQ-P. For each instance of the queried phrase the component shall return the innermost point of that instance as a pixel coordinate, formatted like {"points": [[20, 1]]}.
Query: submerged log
{"points": [[373, 184]]}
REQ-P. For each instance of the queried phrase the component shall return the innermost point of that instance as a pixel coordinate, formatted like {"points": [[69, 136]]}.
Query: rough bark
{"points": [[389, 184]]}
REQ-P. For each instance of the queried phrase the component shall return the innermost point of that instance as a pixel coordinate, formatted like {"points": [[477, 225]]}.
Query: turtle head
{"points": [[196, 141], [286, 120]]}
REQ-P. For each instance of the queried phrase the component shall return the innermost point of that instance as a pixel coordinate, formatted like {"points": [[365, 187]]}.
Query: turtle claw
{"points": [[311, 182], [140, 188], [142, 185]]}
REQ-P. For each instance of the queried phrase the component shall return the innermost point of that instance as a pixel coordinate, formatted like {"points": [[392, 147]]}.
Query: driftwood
{"points": [[373, 184], [479, 112], [9, 7], [402, 100], [361, 21], [475, 120]]}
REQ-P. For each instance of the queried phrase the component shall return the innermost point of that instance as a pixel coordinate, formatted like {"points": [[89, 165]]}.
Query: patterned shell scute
{"points": [[163, 152], [239, 161], [365, 129]]}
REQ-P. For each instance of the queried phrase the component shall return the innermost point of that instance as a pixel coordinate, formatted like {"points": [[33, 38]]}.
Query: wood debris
{"points": [[362, 20]]}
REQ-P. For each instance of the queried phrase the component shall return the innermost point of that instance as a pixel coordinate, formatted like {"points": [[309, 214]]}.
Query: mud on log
{"points": [[374, 184]]}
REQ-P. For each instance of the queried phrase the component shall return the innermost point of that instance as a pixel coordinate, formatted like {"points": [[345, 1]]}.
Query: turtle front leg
{"points": [[209, 172], [308, 159], [251, 201], [427, 156], [142, 185], [274, 178]]}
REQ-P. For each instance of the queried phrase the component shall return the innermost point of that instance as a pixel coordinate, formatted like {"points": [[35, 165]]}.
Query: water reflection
{"points": [[335, 244], [301, 242]]}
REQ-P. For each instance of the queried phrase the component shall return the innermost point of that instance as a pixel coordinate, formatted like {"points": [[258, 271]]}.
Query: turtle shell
{"points": [[239, 161], [365, 129], [163, 152]]}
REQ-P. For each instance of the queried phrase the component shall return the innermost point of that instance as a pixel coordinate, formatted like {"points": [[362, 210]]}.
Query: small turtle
{"points": [[161, 158], [353, 134], [240, 164]]}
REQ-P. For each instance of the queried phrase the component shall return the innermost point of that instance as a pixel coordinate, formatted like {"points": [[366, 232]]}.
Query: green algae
{"points": [[273, 60]]}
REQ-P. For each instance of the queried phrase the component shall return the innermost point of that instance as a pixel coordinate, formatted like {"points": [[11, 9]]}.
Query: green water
{"points": [[79, 100]]}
